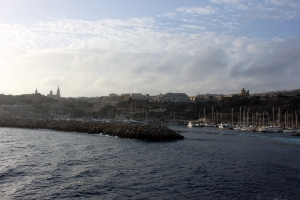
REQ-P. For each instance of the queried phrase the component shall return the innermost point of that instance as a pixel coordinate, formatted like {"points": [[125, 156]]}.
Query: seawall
{"points": [[151, 133]]}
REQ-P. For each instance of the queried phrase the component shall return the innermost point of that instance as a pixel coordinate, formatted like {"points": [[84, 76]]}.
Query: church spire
{"points": [[58, 92]]}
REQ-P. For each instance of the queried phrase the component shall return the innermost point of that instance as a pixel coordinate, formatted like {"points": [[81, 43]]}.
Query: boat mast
{"points": [[296, 116], [240, 117], [238, 122], [204, 117], [285, 120], [255, 118], [231, 116], [292, 120], [131, 112], [279, 117], [174, 116], [247, 118], [212, 115], [244, 116]]}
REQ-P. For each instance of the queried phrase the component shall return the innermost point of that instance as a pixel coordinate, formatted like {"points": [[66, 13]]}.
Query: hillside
{"points": [[160, 111]]}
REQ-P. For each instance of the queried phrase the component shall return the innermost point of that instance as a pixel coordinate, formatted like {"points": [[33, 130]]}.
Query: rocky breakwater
{"points": [[151, 133], [296, 134]]}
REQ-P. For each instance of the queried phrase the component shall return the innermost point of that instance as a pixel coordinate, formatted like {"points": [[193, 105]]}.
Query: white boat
{"points": [[126, 121], [199, 125], [289, 131], [249, 129], [208, 125], [265, 129], [223, 125], [191, 124], [277, 130], [237, 128]]}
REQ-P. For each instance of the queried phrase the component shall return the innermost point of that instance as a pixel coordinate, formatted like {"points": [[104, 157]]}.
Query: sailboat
{"points": [[129, 121]]}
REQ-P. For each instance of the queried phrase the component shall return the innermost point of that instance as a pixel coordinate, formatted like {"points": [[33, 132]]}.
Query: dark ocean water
{"points": [[214, 164]]}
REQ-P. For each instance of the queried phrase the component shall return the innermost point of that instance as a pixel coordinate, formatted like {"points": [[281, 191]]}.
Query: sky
{"points": [[97, 47]]}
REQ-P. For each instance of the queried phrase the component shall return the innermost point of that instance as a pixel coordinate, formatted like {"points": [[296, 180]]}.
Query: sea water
{"points": [[208, 164]]}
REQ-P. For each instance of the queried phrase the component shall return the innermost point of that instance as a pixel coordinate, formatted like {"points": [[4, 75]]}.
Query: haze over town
{"points": [[94, 48]]}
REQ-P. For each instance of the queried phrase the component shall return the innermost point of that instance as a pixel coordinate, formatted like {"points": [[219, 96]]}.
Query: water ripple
{"points": [[44, 164]]}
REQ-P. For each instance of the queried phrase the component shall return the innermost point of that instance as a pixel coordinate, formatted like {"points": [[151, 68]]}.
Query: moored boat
{"points": [[223, 125], [191, 124], [265, 129]]}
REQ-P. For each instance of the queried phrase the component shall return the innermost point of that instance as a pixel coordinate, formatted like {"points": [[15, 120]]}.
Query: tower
{"points": [[58, 92], [244, 93], [51, 93], [36, 91]]}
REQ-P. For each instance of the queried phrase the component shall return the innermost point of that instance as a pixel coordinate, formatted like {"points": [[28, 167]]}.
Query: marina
{"points": [[258, 122], [142, 100]]}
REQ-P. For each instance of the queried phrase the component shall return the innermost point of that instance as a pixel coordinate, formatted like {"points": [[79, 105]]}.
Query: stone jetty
{"points": [[296, 134], [151, 133]]}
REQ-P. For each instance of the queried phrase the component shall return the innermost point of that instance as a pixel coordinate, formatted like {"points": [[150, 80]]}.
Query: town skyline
{"points": [[242, 92], [93, 48]]}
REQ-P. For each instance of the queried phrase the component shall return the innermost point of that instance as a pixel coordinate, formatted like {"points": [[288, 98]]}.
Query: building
{"points": [[113, 95], [137, 96], [244, 93], [200, 98], [172, 97], [192, 98], [17, 110], [219, 97], [93, 99], [36, 96], [55, 96]]}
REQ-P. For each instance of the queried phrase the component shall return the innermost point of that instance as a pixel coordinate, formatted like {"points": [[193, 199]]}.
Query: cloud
{"points": [[266, 9], [193, 26], [208, 61], [226, 1], [273, 66], [94, 58], [169, 14], [197, 10], [237, 16]]}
